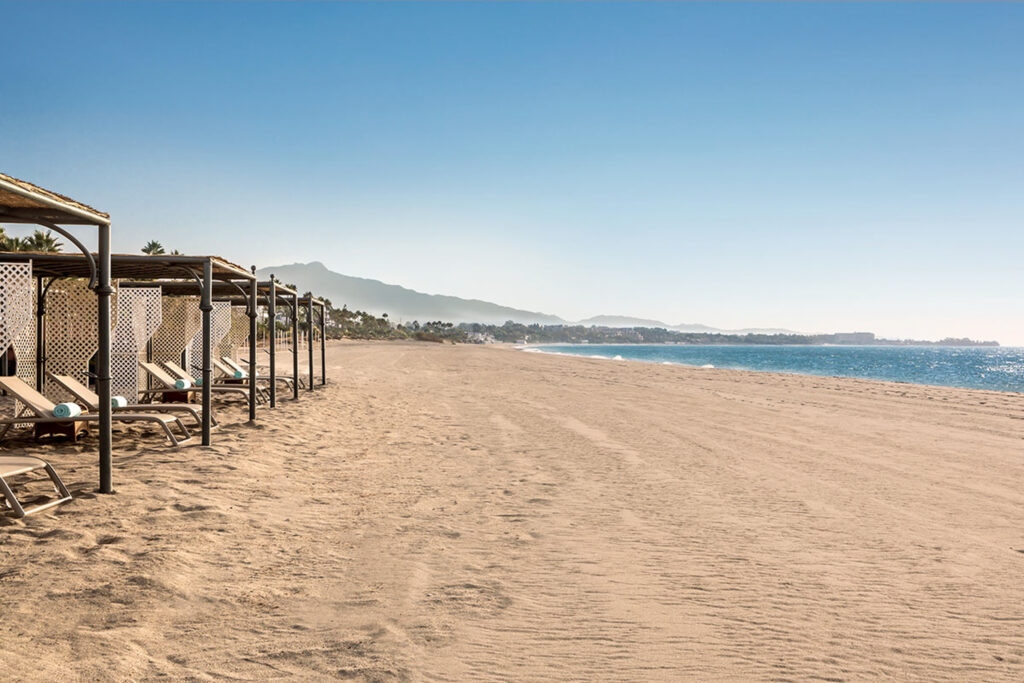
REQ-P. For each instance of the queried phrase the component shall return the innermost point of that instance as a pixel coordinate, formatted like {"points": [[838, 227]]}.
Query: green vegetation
{"points": [[40, 241], [343, 323], [513, 332], [153, 248], [362, 325]]}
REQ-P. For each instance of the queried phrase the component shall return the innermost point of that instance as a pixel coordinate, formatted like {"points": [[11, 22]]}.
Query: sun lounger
{"points": [[228, 372], [232, 367], [12, 466], [91, 400], [179, 373], [46, 424], [172, 394]]}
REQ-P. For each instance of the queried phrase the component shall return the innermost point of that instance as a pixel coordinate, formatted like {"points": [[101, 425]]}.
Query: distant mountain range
{"points": [[401, 303], [626, 321]]}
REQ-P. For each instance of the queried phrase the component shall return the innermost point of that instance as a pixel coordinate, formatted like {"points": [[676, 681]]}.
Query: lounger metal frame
{"points": [[88, 397], [23, 464], [40, 405], [179, 372], [161, 376]]}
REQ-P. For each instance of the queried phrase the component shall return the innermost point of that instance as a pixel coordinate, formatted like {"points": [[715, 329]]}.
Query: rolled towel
{"points": [[199, 382], [240, 374], [67, 410], [182, 384], [118, 402]]}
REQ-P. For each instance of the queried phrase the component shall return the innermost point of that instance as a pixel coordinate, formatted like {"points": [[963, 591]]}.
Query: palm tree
{"points": [[152, 248], [38, 241], [42, 241]]}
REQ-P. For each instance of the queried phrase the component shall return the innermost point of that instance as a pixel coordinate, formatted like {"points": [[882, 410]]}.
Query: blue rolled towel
{"points": [[182, 384], [199, 382], [240, 374], [118, 402], [67, 410]]}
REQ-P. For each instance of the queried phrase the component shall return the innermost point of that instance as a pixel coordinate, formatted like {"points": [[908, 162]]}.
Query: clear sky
{"points": [[820, 167]]}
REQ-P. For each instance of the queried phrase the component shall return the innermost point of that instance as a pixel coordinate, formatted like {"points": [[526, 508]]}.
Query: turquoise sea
{"points": [[997, 368]]}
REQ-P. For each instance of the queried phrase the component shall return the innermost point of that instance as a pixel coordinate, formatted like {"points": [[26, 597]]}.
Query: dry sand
{"points": [[463, 513]]}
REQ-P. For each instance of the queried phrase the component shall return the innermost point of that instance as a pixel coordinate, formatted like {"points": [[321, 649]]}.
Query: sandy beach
{"points": [[445, 512]]}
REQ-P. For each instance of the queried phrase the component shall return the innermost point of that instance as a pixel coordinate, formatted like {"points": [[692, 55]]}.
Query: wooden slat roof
{"points": [[23, 202], [221, 290], [316, 301], [130, 266]]}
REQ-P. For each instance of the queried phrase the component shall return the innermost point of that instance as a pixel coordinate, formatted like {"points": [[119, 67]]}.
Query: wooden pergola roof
{"points": [[221, 290], [23, 202], [128, 266], [313, 299]]}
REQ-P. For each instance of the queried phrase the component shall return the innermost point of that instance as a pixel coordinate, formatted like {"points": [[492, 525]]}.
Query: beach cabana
{"points": [[146, 320], [310, 302], [270, 295], [24, 203]]}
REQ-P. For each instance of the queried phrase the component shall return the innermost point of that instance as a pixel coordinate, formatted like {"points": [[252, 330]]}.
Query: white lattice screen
{"points": [[239, 334], [25, 349], [139, 314], [71, 332], [18, 324], [181, 320], [16, 308], [220, 324]]}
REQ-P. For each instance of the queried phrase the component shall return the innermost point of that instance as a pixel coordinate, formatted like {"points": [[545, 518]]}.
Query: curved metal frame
{"points": [[93, 273]]}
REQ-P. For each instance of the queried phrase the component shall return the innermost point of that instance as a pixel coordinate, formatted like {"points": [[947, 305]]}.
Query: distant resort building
{"points": [[481, 338]]}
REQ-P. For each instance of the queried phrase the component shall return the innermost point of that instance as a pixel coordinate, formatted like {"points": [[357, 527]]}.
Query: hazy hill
{"points": [[398, 302], [622, 321], [626, 321], [403, 304]]}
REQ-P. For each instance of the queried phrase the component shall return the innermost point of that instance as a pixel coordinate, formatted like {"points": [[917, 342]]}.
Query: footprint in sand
{"points": [[601, 440]]}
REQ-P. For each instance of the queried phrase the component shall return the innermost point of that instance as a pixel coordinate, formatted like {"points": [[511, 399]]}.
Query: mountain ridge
{"points": [[397, 301], [403, 303]]}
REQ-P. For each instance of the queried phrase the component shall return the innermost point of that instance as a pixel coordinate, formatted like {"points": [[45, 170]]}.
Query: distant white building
{"points": [[480, 338]]}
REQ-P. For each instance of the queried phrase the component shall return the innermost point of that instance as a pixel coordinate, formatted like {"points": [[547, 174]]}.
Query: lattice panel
{"points": [[181, 320], [220, 324], [72, 337], [25, 354], [139, 314], [25, 348], [16, 308], [239, 335]]}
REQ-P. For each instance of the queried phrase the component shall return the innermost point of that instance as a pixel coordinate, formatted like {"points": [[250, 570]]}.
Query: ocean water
{"points": [[997, 368]]}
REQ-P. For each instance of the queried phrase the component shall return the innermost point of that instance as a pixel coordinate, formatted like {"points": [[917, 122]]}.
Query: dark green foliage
{"points": [[37, 241], [514, 332]]}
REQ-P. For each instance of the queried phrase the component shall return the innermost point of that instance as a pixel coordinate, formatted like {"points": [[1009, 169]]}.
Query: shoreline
{"points": [[543, 349]]}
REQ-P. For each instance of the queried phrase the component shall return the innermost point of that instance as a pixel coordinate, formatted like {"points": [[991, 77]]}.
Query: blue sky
{"points": [[819, 167]]}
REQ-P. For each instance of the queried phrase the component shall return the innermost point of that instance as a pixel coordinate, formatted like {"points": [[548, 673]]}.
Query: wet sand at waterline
{"points": [[462, 513]]}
